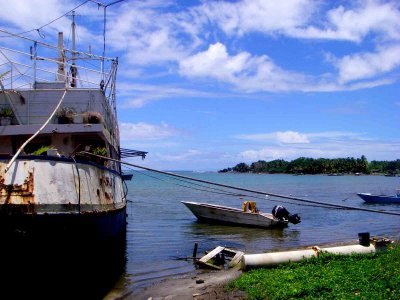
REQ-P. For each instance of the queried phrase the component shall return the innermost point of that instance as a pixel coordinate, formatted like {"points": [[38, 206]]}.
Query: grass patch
{"points": [[357, 276]]}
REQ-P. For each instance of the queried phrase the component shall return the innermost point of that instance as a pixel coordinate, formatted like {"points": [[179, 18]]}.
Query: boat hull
{"points": [[56, 252], [52, 198], [370, 198], [17, 224], [232, 216]]}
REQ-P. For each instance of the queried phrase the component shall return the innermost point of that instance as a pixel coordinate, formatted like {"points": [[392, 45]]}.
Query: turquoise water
{"points": [[161, 229]]}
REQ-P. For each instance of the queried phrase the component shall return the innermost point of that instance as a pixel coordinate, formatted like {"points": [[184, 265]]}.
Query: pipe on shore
{"points": [[276, 258]]}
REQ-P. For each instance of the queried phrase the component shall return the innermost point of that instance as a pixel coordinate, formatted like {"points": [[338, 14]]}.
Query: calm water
{"points": [[160, 228]]}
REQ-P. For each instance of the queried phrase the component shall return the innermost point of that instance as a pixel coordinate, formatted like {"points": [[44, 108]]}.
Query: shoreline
{"points": [[199, 285]]}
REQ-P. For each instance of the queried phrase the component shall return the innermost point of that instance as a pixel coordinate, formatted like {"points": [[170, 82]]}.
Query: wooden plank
{"points": [[210, 255], [230, 252], [236, 259], [209, 265]]}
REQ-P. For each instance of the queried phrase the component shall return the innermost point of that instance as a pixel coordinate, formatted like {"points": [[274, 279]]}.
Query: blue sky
{"points": [[204, 85]]}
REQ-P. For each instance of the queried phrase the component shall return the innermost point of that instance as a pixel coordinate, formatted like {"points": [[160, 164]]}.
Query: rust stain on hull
{"points": [[18, 193], [105, 193]]}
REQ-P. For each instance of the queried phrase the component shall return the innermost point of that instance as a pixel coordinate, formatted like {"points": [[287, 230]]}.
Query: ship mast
{"points": [[74, 70], [61, 66]]}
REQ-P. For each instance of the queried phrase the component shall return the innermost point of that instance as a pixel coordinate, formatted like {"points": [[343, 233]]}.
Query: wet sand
{"points": [[199, 286]]}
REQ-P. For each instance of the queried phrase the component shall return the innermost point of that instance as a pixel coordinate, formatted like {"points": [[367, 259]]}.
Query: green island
{"points": [[305, 165], [357, 276]]}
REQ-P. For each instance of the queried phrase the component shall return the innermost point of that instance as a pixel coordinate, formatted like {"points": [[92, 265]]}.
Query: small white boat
{"points": [[228, 215]]}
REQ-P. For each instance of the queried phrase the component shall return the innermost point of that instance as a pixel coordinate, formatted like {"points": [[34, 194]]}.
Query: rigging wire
{"points": [[221, 191], [12, 64], [207, 189], [244, 195], [224, 192], [41, 27], [249, 190]]}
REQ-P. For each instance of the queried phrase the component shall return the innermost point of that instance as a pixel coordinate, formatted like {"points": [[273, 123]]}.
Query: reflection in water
{"points": [[250, 239], [244, 234], [60, 269]]}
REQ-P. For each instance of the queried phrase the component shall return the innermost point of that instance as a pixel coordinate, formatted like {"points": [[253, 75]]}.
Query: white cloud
{"points": [[372, 149], [184, 156], [295, 19], [175, 37], [334, 135], [259, 74], [144, 131], [190, 159], [267, 154], [302, 18], [267, 16], [215, 62], [27, 16], [149, 36], [367, 65], [139, 95], [327, 144], [293, 137], [20, 13], [161, 37], [286, 137], [250, 73], [370, 16]]}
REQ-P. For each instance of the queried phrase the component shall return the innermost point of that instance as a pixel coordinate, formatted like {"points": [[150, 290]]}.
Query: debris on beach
{"points": [[217, 258]]}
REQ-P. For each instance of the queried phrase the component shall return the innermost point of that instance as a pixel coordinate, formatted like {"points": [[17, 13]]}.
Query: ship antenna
{"points": [[104, 29]]}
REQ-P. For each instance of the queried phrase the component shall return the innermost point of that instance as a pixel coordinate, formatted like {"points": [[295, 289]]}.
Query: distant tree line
{"points": [[305, 165]]}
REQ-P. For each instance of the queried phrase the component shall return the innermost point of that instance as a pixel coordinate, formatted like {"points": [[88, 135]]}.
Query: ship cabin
{"points": [[85, 121], [32, 87]]}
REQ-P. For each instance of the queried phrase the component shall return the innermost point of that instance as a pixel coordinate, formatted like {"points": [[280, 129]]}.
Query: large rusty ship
{"points": [[56, 109]]}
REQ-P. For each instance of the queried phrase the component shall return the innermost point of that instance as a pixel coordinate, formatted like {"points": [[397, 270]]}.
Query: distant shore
{"points": [[307, 165], [325, 174]]}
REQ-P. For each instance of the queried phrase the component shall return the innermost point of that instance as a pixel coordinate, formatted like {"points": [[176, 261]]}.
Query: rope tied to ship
{"points": [[329, 205]]}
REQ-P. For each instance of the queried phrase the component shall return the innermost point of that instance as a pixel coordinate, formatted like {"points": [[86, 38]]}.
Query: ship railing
{"points": [[32, 72], [46, 63]]}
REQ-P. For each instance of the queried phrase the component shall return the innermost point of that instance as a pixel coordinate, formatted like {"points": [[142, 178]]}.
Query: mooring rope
{"points": [[202, 188], [220, 191], [248, 190]]}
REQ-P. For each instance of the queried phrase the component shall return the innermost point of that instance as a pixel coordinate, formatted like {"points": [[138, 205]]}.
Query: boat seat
{"points": [[249, 206]]}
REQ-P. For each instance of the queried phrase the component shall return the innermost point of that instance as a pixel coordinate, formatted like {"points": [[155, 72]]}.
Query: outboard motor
{"points": [[283, 214], [295, 218]]}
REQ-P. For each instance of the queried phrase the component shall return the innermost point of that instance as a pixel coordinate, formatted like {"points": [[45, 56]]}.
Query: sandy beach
{"points": [[200, 286]]}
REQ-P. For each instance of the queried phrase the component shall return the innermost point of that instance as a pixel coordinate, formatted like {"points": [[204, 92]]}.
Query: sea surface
{"points": [[162, 231]]}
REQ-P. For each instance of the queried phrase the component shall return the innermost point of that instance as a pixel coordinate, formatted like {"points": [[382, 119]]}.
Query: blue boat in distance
{"points": [[371, 198]]}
